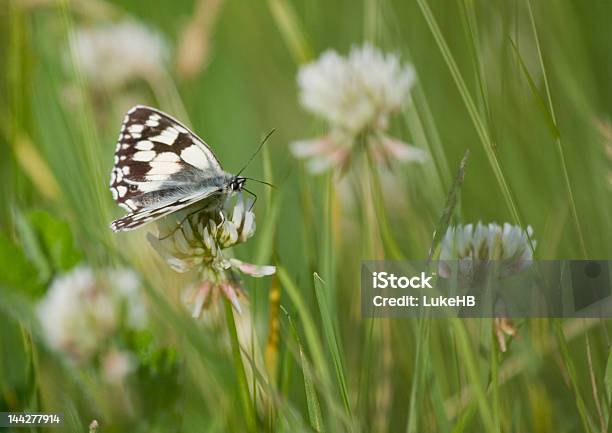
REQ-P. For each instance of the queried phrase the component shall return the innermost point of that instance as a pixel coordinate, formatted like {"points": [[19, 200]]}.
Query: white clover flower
{"points": [[112, 55], [190, 240], [475, 247], [507, 249], [82, 309], [356, 95]]}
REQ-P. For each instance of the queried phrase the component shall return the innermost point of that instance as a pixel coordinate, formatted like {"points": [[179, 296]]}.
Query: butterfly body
{"points": [[162, 167]]}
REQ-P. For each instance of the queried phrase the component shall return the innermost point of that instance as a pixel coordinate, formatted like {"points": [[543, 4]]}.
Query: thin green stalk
{"points": [[473, 374], [310, 329], [370, 24], [433, 137], [421, 369], [381, 213], [307, 218], [598, 406], [449, 207], [468, 18], [587, 423], [312, 401], [494, 366], [330, 328], [167, 95], [481, 129], [243, 386], [316, 352], [287, 22], [436, 179], [366, 359], [561, 153], [327, 262]]}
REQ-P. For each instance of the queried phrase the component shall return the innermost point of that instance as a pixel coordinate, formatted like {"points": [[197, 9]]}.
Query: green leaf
{"points": [[157, 359], [33, 248], [56, 240], [46, 247], [17, 271]]}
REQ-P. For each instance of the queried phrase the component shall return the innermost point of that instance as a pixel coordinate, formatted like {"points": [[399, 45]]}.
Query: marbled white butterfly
{"points": [[162, 167]]}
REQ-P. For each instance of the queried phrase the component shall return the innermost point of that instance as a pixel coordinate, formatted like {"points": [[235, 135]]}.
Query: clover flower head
{"points": [[112, 55], [474, 247], [356, 95], [198, 241], [83, 308]]}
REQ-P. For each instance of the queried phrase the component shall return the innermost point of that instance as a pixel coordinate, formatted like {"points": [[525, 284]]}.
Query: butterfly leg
{"points": [[254, 195]]}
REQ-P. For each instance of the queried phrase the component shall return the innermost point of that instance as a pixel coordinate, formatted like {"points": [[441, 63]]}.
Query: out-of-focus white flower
{"points": [[356, 92], [111, 55], [356, 95], [196, 241], [82, 309], [483, 252], [93, 426], [116, 365], [473, 248]]}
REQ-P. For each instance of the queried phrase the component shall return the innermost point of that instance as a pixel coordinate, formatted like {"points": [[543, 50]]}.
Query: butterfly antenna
{"points": [[256, 152], [261, 181]]}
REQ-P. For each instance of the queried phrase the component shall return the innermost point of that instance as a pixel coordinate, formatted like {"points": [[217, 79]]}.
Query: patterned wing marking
{"points": [[156, 158]]}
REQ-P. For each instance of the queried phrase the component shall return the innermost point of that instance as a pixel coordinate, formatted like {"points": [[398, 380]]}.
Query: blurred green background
{"points": [[522, 84]]}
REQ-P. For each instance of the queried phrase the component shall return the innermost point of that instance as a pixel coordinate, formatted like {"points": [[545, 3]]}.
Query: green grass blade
{"points": [[608, 386], [449, 207], [247, 405], [466, 353], [312, 400], [560, 152], [381, 214], [536, 93], [468, 18], [287, 22], [327, 261], [587, 423], [330, 329], [310, 329], [434, 140], [421, 369], [481, 130], [322, 374]]}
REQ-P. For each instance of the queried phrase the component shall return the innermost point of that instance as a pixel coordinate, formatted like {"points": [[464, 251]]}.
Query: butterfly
{"points": [[162, 167]]}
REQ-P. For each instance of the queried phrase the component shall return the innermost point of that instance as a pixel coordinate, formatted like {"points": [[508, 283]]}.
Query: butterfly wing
{"points": [[142, 216], [160, 167]]}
